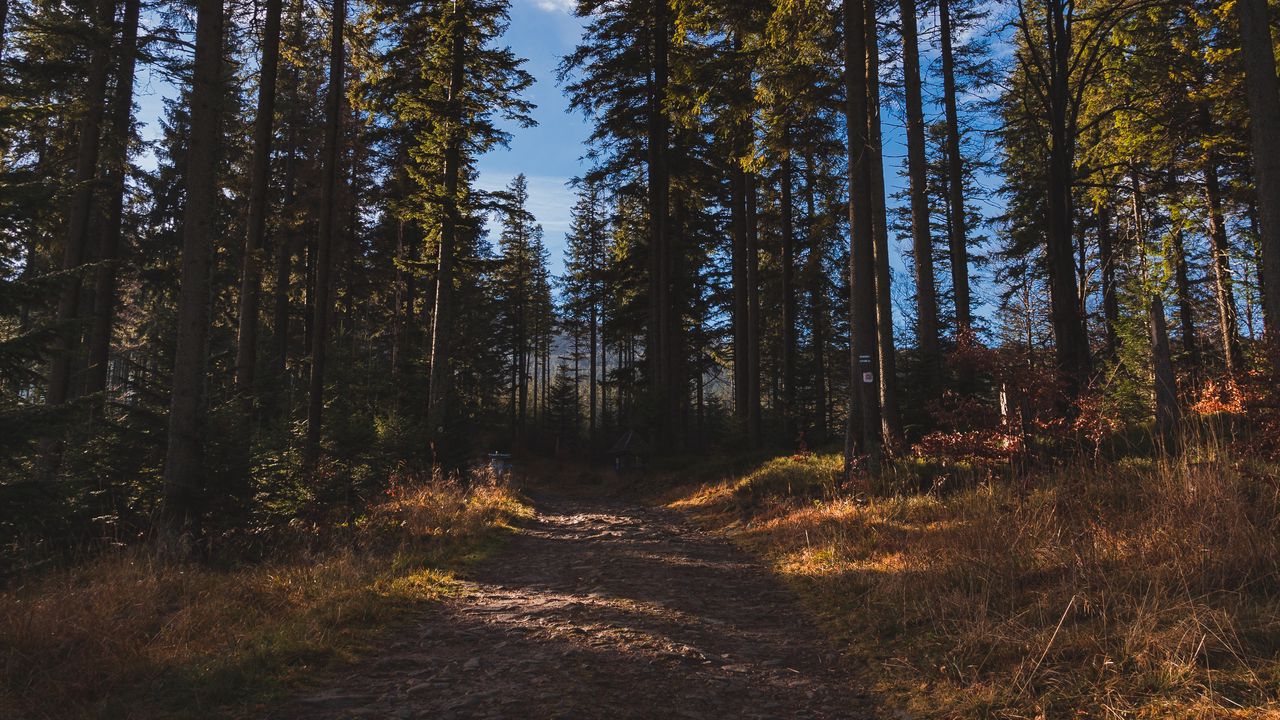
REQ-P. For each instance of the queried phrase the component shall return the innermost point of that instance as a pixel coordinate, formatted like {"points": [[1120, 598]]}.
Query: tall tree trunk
{"points": [[656, 352], [398, 314], [674, 342], [286, 237], [1107, 258], [441, 383], [183, 481], [1186, 312], [817, 304], [327, 231], [958, 234], [789, 321], [591, 390], [604, 380], [80, 210], [1228, 321], [546, 374], [259, 188], [921, 240], [1070, 337], [890, 415], [864, 427], [522, 354], [755, 427], [1168, 414], [4, 26], [1258, 56], [738, 224], [109, 241]]}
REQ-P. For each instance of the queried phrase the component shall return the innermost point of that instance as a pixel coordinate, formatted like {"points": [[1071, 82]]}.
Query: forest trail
{"points": [[603, 609]]}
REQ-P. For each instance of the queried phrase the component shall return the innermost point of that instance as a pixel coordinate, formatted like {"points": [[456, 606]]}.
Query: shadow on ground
{"points": [[603, 609]]}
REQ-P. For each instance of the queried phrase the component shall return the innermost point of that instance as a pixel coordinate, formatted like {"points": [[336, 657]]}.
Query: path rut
{"points": [[603, 609]]}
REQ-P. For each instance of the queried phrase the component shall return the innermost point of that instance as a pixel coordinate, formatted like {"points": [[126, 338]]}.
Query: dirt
{"points": [[603, 609]]}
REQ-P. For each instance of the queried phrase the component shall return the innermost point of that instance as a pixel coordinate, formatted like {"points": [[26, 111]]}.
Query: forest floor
{"points": [[602, 608]]}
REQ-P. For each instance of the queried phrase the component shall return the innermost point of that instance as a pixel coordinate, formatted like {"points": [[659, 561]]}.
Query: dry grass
{"points": [[128, 636], [1132, 589]]}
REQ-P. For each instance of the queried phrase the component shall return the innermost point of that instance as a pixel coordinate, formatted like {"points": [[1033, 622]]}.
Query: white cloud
{"points": [[550, 200], [565, 6]]}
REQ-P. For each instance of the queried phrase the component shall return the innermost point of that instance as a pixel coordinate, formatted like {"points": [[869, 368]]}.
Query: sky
{"points": [[549, 154], [543, 31]]}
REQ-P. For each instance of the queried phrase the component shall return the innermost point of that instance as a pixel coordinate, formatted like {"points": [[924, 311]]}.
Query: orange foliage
{"points": [[1219, 397]]}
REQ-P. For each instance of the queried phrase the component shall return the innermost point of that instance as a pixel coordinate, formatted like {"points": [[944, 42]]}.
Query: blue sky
{"points": [[543, 31]]}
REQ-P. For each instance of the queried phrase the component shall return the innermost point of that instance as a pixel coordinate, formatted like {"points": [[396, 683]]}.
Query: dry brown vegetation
{"points": [[1134, 588], [126, 635]]}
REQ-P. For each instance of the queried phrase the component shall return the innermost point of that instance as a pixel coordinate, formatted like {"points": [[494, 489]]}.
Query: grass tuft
{"points": [[126, 635], [1136, 588]]}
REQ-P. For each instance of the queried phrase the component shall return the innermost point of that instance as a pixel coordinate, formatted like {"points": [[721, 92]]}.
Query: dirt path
{"points": [[602, 609]]}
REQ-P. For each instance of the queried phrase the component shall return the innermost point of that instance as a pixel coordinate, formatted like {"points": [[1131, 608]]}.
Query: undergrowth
{"points": [[127, 635], [1138, 587]]}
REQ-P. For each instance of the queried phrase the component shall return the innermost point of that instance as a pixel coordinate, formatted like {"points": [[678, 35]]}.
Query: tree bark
{"points": [[738, 226], [4, 26], [921, 239], [1107, 258], [109, 240], [864, 427], [675, 342], [80, 209], [656, 350], [327, 231], [890, 415], [1258, 57], [183, 477], [286, 237], [755, 428], [1071, 339], [958, 234], [788, 301], [441, 379], [1168, 414], [1186, 311], [259, 188], [1228, 320], [817, 305], [593, 331]]}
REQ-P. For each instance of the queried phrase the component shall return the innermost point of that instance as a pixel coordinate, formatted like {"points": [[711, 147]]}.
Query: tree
{"points": [[1060, 53], [1258, 56], [620, 75], [523, 295], [327, 232], [863, 436], [957, 235], [80, 209], [259, 185], [586, 258], [927, 336], [182, 468], [112, 210]]}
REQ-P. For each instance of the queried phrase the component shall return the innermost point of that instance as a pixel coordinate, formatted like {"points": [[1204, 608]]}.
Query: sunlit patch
{"points": [[1135, 589]]}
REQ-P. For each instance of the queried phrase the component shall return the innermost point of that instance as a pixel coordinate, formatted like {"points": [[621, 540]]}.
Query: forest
{"points": [[971, 298]]}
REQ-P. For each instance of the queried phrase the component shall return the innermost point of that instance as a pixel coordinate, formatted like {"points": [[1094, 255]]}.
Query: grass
{"points": [[1118, 589], [125, 635]]}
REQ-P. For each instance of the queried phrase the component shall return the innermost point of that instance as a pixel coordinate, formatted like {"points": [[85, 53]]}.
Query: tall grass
{"points": [[126, 635], [1138, 587]]}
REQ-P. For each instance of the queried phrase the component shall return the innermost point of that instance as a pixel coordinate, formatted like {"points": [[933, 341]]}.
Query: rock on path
{"points": [[602, 609]]}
